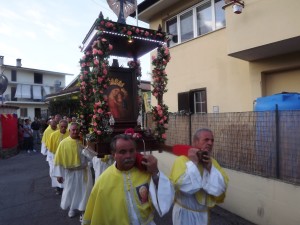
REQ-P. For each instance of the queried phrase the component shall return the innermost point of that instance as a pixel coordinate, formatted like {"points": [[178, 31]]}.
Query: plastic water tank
{"points": [[284, 100], [266, 135]]}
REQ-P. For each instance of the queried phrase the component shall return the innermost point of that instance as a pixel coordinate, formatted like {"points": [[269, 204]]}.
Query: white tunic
{"points": [[191, 182], [99, 166], [78, 184]]}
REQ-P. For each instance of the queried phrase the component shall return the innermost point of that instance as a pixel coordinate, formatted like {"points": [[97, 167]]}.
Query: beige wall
{"points": [[262, 22], [284, 65], [203, 63], [233, 84], [260, 200]]}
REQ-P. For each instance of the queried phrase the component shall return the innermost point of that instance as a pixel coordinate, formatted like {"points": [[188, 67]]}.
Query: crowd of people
{"points": [[121, 192]]}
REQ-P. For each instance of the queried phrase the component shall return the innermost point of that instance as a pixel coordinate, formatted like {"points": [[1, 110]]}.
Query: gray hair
{"points": [[198, 133], [125, 137]]}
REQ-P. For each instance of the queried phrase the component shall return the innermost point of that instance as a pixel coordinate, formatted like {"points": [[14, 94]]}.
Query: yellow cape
{"points": [[47, 134], [68, 153], [108, 204], [54, 140]]}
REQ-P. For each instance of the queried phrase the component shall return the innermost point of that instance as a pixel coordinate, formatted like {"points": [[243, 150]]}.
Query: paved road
{"points": [[26, 197]]}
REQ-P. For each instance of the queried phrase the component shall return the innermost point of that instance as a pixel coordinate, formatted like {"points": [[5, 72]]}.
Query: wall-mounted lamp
{"points": [[237, 5]]}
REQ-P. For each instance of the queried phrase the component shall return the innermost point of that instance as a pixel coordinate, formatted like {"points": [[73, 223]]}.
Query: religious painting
{"points": [[122, 94], [143, 192]]}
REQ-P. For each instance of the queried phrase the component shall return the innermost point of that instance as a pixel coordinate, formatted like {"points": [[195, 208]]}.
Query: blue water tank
{"points": [[284, 100]]}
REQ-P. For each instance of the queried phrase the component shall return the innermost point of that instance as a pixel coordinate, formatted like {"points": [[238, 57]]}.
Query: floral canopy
{"points": [[126, 41]]}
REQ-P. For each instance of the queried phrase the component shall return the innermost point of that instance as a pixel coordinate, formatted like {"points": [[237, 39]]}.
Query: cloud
{"points": [[9, 14], [6, 29], [30, 34]]}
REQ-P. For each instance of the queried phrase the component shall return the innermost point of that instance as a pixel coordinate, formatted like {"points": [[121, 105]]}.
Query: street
{"points": [[26, 197]]}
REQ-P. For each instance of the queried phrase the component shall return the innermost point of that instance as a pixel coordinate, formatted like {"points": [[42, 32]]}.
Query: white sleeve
{"points": [[191, 181], [213, 182], [58, 171], [162, 196]]}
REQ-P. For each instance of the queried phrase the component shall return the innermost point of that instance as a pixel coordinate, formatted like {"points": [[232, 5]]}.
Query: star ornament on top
{"points": [[122, 8]]}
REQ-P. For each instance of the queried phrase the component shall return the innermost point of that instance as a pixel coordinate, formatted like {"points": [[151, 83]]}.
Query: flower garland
{"points": [[86, 94], [130, 31], [100, 82], [160, 115], [159, 83]]}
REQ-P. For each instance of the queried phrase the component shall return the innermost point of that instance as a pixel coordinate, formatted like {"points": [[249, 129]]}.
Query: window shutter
{"points": [[183, 102]]}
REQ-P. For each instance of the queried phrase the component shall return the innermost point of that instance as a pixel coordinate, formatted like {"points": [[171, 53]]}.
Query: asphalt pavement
{"points": [[26, 197]]}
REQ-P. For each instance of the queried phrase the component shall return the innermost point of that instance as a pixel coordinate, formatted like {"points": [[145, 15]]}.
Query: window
{"points": [[13, 93], [13, 75], [220, 14], [23, 112], [204, 19], [193, 101], [172, 29], [186, 26], [201, 19], [199, 98], [38, 78]]}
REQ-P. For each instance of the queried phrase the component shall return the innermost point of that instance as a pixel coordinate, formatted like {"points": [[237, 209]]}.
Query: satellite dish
{"points": [[3, 83], [122, 8]]}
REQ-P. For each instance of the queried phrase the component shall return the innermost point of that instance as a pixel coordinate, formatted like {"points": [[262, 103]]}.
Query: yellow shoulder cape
{"points": [[68, 153], [54, 140]]}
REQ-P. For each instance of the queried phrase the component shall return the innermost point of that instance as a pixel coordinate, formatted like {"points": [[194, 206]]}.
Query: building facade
{"points": [[27, 88], [223, 61]]}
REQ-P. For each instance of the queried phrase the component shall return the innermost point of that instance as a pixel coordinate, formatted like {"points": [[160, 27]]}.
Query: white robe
{"points": [[212, 183], [50, 159], [99, 166], [78, 184]]}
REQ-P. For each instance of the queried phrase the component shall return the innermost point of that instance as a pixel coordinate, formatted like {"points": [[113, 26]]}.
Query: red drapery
{"points": [[9, 124]]}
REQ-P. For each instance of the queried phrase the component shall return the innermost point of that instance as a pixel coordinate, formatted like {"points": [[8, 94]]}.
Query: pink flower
{"points": [[99, 132], [146, 33], [110, 47], [166, 51], [158, 107], [97, 104], [95, 124], [96, 61], [94, 116], [95, 51], [160, 112], [129, 32], [164, 136], [129, 131], [100, 79], [100, 111], [85, 72], [104, 71], [100, 52], [137, 30]]}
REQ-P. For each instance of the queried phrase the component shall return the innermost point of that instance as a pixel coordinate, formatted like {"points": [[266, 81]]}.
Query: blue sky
{"points": [[46, 34]]}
